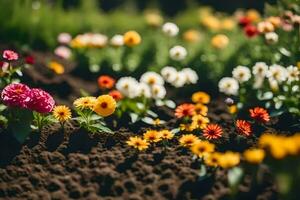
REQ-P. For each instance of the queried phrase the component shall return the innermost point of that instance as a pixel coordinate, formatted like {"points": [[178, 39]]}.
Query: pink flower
{"points": [[64, 38], [16, 95], [10, 55], [41, 101], [63, 52]]}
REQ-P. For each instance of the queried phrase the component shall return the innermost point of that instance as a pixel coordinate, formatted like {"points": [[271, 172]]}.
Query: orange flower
{"points": [[212, 131], [132, 38], [116, 95], [185, 110], [243, 127], [106, 82], [259, 114]]}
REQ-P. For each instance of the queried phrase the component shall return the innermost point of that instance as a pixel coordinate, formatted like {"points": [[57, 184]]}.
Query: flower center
{"points": [[104, 105]]}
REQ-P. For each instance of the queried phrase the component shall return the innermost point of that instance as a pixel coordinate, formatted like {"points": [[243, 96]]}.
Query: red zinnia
{"points": [[250, 30], [259, 114], [29, 60], [243, 127], [10, 55], [212, 131], [41, 101], [185, 110], [116, 95], [244, 21], [106, 82]]}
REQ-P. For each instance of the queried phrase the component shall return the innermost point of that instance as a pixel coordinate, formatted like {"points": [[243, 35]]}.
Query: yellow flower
{"points": [[132, 38], [153, 19], [232, 109], [213, 159], [138, 143], [220, 41], [166, 134], [228, 24], [157, 122], [188, 140], [276, 21], [56, 67], [62, 113], [200, 109], [85, 102], [105, 105], [229, 159], [191, 36], [152, 136], [254, 156], [201, 97], [291, 145], [76, 43], [200, 121], [187, 127], [298, 65], [211, 22], [202, 148], [253, 15]]}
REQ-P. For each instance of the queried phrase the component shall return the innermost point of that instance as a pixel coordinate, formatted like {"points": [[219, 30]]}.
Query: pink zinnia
{"points": [[16, 95], [10, 55], [41, 101]]}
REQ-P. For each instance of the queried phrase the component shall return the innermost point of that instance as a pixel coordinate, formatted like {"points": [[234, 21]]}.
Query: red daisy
{"points": [[243, 127], [212, 131], [185, 110], [259, 114]]}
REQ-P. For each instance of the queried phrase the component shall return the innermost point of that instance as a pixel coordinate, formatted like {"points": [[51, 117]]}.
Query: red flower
{"points": [[116, 95], [250, 30], [29, 60], [16, 95], [106, 82], [41, 101], [244, 21], [212, 131], [10, 55], [185, 110], [243, 127], [259, 114]]}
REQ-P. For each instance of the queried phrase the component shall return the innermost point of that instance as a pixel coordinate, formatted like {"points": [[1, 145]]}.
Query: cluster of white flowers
{"points": [[179, 78], [275, 75]]}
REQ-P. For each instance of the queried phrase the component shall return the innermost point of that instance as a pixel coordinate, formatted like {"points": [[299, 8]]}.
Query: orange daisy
{"points": [[212, 131], [259, 114], [116, 95], [243, 127], [106, 82], [185, 110]]}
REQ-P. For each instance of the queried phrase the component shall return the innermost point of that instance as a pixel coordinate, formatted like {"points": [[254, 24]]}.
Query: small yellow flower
{"points": [[254, 156], [191, 36], [232, 109], [228, 24], [211, 22], [56, 67], [62, 113], [166, 134], [229, 159], [253, 15], [201, 97], [276, 21], [213, 159], [200, 121], [76, 43], [138, 143], [85, 102], [154, 19], [105, 105], [132, 38], [188, 140], [202, 148], [201, 109], [220, 41], [157, 122], [298, 65], [152, 136], [187, 127]]}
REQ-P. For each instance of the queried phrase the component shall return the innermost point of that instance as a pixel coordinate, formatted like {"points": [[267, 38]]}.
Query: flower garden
{"points": [[133, 104]]}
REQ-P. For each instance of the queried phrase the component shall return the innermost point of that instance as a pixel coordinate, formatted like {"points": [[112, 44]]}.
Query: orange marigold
{"points": [[106, 82], [212, 131], [185, 110], [259, 114], [243, 127], [116, 95]]}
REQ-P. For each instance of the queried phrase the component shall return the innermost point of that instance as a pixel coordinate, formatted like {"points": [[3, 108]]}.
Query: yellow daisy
{"points": [[105, 105], [166, 134], [200, 121], [229, 159], [138, 143], [200, 109], [213, 159], [152, 136], [132, 38], [84, 102], [254, 156], [62, 113], [201, 97], [188, 140], [202, 148]]}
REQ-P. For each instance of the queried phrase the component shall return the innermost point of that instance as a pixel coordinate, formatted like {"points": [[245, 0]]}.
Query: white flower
{"points": [[293, 73], [64, 38], [158, 91], [258, 82], [241, 73], [178, 53], [144, 90], [180, 80], [229, 86], [191, 75], [169, 73], [117, 40], [98, 40], [170, 29], [63, 52], [277, 73], [271, 38], [260, 69], [128, 86], [273, 84], [152, 78]]}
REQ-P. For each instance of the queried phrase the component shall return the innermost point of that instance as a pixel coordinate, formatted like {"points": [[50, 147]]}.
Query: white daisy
{"points": [[260, 69], [293, 73], [63, 52], [158, 91], [169, 74], [117, 40], [229, 86], [241, 73], [178, 53], [98, 40], [128, 86], [64, 38], [191, 75], [170, 29], [144, 90], [152, 78], [271, 38], [277, 73], [180, 80]]}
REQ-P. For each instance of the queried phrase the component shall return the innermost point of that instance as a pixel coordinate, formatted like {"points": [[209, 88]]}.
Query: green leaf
{"points": [[134, 117], [101, 128], [95, 117], [170, 104]]}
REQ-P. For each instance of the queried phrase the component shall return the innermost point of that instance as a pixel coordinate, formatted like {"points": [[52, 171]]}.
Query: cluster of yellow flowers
{"points": [[150, 136]]}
